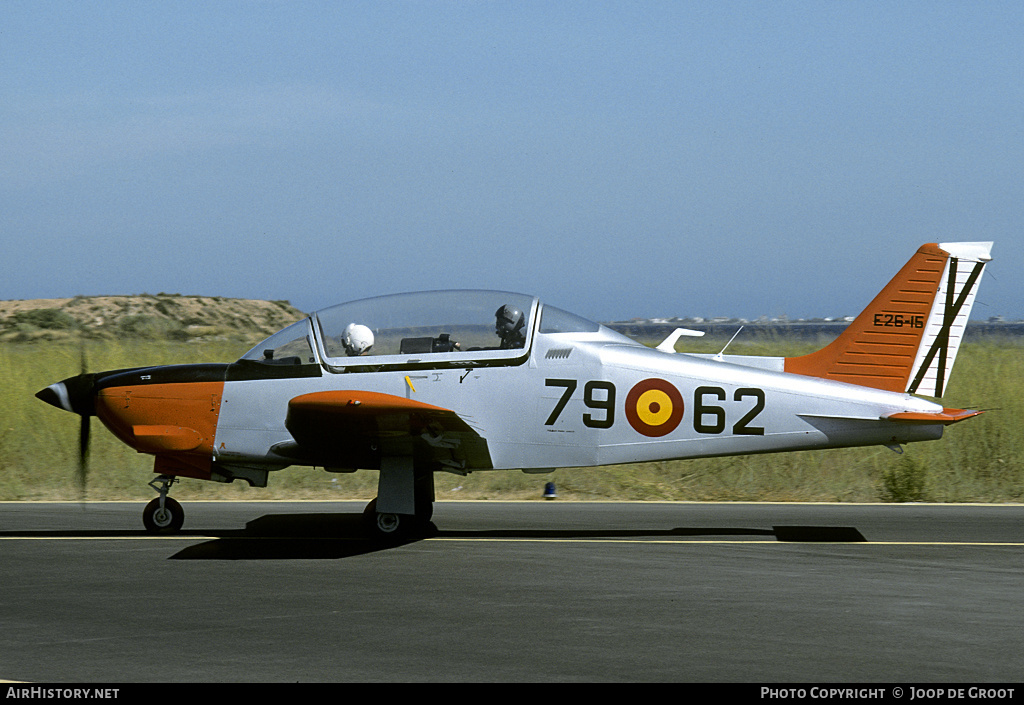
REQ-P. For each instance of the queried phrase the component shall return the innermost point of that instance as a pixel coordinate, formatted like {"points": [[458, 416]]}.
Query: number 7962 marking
{"points": [[709, 417]]}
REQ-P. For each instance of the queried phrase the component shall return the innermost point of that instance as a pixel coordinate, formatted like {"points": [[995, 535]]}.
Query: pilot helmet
{"points": [[508, 320], [357, 339]]}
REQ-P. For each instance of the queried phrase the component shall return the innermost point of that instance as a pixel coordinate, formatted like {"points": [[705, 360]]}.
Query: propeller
{"points": [[83, 431], [76, 394]]}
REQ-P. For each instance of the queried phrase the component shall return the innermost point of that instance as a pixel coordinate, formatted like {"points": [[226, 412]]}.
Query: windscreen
{"points": [[290, 346]]}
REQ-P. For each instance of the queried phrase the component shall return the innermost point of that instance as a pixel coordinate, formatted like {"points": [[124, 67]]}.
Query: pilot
{"points": [[357, 339], [508, 324]]}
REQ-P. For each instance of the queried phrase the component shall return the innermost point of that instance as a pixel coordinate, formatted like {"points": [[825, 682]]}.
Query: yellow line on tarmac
{"points": [[512, 539], [111, 538], [730, 541]]}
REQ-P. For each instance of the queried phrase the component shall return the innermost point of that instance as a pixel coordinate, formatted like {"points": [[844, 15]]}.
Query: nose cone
{"points": [[74, 394], [56, 395]]}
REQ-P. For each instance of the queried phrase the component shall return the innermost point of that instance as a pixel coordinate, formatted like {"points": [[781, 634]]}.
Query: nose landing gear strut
{"points": [[163, 515]]}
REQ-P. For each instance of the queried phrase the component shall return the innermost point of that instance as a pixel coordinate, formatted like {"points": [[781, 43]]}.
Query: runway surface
{"points": [[534, 591]]}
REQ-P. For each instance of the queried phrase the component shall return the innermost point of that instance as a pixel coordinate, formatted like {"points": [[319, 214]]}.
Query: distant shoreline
{"points": [[793, 329]]}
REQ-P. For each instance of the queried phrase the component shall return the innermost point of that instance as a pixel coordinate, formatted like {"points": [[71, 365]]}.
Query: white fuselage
{"points": [[569, 405]]}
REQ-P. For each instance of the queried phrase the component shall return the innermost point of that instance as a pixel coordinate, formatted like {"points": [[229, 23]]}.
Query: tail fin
{"points": [[906, 340]]}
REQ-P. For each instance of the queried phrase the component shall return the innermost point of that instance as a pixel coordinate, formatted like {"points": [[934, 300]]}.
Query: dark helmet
{"points": [[508, 321]]}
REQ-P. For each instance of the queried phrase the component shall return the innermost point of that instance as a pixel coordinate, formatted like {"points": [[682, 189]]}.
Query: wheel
{"points": [[389, 527], [388, 524], [163, 521]]}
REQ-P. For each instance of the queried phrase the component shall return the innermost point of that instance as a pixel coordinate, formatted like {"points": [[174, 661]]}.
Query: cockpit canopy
{"points": [[423, 329], [404, 329], [439, 324]]}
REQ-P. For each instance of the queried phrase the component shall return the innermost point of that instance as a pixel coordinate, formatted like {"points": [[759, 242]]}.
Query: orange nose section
{"points": [[163, 418]]}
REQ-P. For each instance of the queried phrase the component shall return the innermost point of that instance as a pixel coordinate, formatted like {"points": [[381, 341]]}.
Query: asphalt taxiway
{"points": [[533, 591]]}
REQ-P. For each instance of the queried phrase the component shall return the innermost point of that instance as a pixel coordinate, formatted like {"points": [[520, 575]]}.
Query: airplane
{"points": [[463, 381]]}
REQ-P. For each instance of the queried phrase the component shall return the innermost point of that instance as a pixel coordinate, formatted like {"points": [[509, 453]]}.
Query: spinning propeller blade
{"points": [[76, 394], [83, 432], [83, 453]]}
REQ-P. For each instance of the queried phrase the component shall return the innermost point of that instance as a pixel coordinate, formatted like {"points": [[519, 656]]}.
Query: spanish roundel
{"points": [[654, 407]]}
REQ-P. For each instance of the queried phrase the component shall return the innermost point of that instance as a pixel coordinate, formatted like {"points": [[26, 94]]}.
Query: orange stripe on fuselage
{"points": [[164, 419]]}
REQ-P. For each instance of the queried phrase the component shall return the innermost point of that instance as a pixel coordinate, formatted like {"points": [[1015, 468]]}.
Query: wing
{"points": [[354, 429]]}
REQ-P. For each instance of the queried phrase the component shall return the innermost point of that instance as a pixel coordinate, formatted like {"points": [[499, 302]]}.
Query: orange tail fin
{"points": [[906, 340]]}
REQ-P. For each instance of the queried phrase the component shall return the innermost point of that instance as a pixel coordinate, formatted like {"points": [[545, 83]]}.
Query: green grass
{"points": [[979, 460]]}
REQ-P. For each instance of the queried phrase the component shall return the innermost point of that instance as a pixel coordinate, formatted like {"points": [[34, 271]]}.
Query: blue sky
{"points": [[617, 159]]}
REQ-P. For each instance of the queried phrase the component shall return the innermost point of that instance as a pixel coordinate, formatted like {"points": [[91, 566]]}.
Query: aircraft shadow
{"points": [[293, 536], [333, 536], [323, 536]]}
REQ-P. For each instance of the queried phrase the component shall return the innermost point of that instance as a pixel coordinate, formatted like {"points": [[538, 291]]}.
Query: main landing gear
{"points": [[163, 515], [404, 505]]}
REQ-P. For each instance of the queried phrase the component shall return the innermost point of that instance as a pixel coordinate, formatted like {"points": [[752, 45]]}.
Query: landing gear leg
{"points": [[424, 493], [163, 515], [404, 503]]}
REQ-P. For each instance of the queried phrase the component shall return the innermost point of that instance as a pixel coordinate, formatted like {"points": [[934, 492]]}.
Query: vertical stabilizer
{"points": [[906, 340]]}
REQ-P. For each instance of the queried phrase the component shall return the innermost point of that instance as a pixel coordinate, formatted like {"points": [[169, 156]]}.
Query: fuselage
{"points": [[577, 399]]}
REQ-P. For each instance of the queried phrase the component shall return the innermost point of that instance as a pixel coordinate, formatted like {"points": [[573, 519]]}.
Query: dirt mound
{"points": [[169, 316]]}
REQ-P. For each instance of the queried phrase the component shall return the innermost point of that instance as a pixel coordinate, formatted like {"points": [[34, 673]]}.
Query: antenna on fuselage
{"points": [[721, 352]]}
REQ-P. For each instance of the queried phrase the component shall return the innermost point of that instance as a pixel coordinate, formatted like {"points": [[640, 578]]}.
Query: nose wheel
{"points": [[163, 515]]}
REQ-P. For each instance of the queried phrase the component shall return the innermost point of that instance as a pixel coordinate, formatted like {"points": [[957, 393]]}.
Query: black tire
{"points": [[389, 527], [166, 521]]}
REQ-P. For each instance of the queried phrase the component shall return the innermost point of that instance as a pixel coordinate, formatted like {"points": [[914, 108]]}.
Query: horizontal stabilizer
{"points": [[944, 417]]}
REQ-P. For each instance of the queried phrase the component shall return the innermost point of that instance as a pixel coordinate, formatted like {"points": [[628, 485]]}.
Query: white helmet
{"points": [[357, 339]]}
